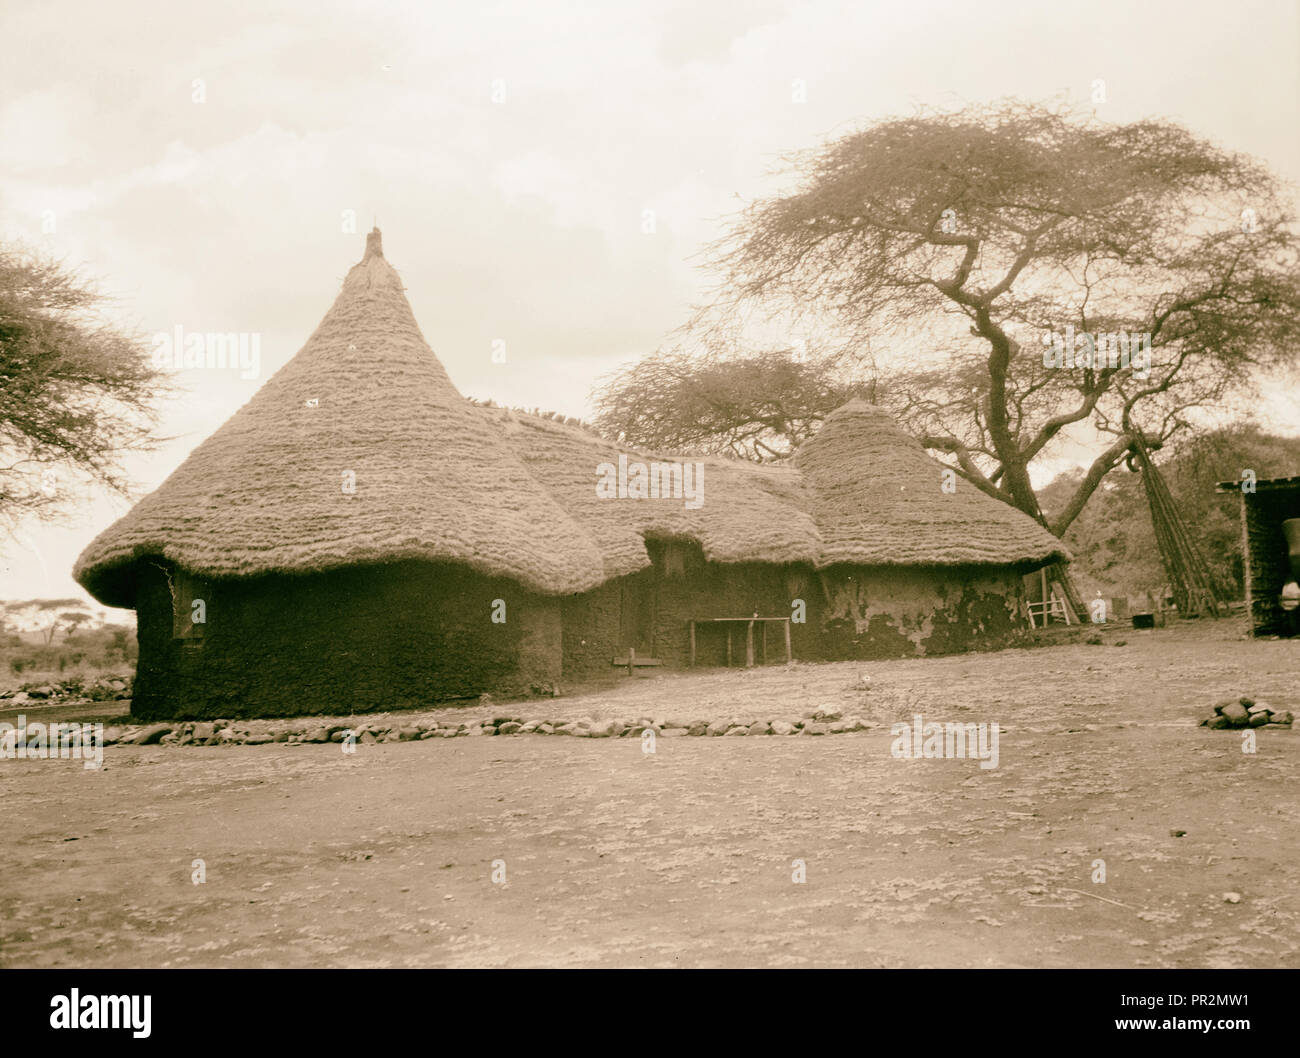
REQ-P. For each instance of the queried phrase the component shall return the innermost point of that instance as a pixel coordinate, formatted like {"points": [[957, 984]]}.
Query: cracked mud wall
{"points": [[881, 612], [851, 612]]}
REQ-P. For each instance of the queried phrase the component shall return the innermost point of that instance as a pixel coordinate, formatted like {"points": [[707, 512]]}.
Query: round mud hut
{"points": [[360, 537]]}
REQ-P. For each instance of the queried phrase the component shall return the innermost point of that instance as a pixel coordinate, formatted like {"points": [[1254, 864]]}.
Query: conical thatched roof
{"points": [[511, 494], [433, 479], [876, 498]]}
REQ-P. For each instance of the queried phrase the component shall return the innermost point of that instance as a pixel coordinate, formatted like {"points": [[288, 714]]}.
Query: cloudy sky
{"points": [[201, 159]]}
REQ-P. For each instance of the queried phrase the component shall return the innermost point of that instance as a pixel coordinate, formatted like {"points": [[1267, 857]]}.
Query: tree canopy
{"points": [[757, 404], [76, 392], [983, 242]]}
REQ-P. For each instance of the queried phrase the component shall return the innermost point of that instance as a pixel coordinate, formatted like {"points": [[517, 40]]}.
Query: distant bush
{"points": [[107, 649]]}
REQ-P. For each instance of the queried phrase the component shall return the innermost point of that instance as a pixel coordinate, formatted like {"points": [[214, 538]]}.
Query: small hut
{"points": [[360, 537], [1270, 536]]}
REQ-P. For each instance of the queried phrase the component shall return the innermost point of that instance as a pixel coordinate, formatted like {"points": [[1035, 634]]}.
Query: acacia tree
{"points": [[71, 621], [76, 393], [757, 404], [996, 226]]}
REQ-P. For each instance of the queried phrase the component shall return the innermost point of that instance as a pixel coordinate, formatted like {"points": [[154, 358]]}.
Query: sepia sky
{"points": [[519, 220]]}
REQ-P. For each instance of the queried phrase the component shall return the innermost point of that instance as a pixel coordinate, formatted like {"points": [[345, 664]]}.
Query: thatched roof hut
{"points": [[861, 491], [360, 455], [365, 404], [876, 497]]}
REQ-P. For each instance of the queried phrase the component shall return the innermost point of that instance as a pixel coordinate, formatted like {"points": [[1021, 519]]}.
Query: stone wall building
{"points": [[360, 537]]}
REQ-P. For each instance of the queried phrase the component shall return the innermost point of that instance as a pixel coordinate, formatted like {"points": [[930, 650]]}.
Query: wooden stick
{"points": [[1096, 897]]}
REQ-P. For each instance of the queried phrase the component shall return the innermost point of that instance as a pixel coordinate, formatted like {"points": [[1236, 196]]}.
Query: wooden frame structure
{"points": [[749, 623], [1050, 605]]}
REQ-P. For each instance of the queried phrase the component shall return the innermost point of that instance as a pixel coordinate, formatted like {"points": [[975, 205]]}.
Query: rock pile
{"points": [[1246, 712], [369, 732]]}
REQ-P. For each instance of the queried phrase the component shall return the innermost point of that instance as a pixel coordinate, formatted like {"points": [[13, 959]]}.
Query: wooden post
{"points": [[631, 661], [692, 624], [728, 624], [789, 656], [749, 645]]}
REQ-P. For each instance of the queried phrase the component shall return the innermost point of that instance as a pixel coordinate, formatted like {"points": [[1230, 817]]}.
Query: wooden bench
{"points": [[632, 662], [749, 623]]}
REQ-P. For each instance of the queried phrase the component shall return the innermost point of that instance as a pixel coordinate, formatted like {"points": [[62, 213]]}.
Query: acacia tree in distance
{"points": [[1015, 221], [757, 404], [76, 393]]}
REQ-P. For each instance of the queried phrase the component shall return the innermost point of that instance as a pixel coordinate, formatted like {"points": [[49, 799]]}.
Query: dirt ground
{"points": [[686, 857]]}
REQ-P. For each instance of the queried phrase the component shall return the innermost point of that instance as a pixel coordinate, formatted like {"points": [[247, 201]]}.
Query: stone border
{"points": [[368, 732]]}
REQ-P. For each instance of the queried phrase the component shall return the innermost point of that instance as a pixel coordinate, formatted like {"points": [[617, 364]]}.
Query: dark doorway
{"points": [[636, 628]]}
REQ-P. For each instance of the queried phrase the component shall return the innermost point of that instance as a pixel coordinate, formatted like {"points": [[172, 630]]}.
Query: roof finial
{"points": [[374, 244]]}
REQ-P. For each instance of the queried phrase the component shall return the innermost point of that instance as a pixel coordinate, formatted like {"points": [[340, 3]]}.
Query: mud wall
{"points": [[850, 612], [881, 612], [412, 634], [665, 599], [592, 633], [358, 639], [706, 590]]}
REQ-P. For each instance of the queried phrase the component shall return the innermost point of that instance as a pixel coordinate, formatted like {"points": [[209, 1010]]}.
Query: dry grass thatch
{"points": [[750, 513], [877, 499], [432, 478], [512, 494]]}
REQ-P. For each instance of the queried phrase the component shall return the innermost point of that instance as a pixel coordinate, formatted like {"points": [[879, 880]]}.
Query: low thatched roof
{"points": [[750, 513], [512, 494], [877, 499]]}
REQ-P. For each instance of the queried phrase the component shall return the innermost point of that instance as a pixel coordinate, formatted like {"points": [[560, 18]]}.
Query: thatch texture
{"points": [[509, 494], [433, 479], [750, 513], [876, 498], [864, 492]]}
